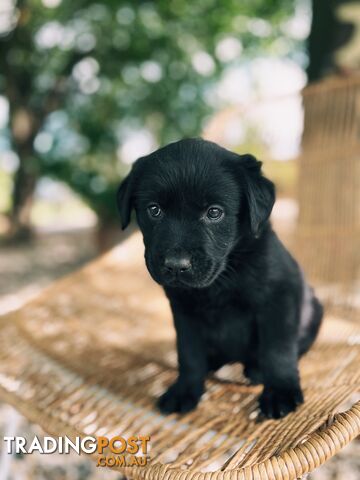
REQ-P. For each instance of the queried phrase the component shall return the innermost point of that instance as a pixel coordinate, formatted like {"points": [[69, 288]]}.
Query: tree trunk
{"points": [[24, 129], [22, 197], [332, 28]]}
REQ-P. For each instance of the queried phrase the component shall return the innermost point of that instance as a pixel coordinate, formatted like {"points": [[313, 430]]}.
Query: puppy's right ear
{"points": [[125, 195]]}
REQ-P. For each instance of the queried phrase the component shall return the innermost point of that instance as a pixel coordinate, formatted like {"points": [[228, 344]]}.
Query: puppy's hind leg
{"points": [[311, 326], [278, 355]]}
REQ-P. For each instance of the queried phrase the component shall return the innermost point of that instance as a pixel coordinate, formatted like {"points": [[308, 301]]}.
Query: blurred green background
{"points": [[87, 86]]}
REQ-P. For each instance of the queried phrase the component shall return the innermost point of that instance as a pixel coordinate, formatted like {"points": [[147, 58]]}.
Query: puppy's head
{"points": [[194, 202]]}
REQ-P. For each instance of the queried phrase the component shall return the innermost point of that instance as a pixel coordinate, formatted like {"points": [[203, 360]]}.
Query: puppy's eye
{"points": [[154, 210], [215, 213]]}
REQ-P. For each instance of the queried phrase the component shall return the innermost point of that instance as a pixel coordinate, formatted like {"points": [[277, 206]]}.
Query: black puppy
{"points": [[236, 293]]}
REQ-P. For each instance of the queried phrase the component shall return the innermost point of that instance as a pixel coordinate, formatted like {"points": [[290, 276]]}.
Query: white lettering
{"points": [[8, 441], [20, 443], [75, 446], [35, 446], [47, 447], [91, 448]]}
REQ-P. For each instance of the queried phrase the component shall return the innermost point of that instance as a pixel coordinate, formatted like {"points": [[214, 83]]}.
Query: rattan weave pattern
{"points": [[91, 354]]}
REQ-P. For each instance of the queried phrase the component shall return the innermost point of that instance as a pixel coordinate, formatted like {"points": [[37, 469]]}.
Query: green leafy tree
{"points": [[81, 75]]}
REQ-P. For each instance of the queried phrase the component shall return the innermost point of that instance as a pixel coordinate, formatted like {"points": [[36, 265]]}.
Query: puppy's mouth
{"points": [[188, 279]]}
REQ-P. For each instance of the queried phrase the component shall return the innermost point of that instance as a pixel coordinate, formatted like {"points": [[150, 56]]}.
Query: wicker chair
{"points": [[91, 354]]}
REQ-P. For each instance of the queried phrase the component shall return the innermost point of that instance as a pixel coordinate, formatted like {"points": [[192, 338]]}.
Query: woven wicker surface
{"points": [[92, 353]]}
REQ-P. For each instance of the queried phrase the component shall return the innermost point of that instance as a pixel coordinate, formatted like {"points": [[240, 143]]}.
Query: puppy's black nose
{"points": [[177, 263]]}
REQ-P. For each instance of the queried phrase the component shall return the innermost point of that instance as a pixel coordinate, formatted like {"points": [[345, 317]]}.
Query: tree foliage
{"points": [[82, 75]]}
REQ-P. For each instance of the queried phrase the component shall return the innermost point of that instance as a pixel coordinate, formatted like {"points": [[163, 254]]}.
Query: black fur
{"points": [[236, 293]]}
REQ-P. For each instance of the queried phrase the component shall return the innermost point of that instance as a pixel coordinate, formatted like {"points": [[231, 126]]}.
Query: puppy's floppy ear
{"points": [[124, 203], [259, 193], [125, 195]]}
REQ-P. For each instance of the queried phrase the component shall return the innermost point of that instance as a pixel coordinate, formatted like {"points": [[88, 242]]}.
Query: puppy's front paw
{"points": [[178, 399], [276, 403]]}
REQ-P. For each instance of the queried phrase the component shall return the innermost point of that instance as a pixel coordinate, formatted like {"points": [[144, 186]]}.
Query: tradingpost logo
{"points": [[115, 451]]}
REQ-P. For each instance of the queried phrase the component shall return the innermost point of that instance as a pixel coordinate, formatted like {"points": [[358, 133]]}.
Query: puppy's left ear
{"points": [[124, 201], [125, 194], [259, 193]]}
